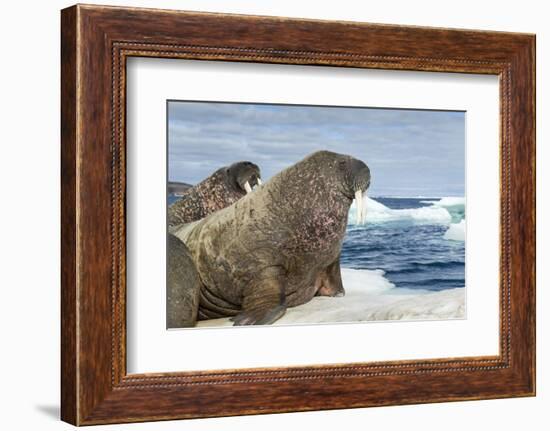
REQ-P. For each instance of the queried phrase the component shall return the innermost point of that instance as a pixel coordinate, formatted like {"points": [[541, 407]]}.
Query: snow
{"points": [[371, 297]]}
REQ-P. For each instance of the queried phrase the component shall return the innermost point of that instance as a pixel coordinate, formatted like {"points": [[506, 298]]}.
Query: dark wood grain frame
{"points": [[95, 43]]}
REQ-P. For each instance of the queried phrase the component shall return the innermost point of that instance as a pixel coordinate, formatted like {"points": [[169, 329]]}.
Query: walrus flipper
{"points": [[330, 280], [183, 286], [259, 316], [264, 300]]}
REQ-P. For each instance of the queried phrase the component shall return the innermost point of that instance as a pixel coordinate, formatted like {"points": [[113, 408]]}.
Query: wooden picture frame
{"points": [[95, 43]]}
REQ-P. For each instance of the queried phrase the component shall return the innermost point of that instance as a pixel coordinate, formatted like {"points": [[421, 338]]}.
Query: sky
{"points": [[409, 152]]}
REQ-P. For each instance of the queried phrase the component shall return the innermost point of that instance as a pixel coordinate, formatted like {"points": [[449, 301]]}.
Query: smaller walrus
{"points": [[221, 189], [277, 247]]}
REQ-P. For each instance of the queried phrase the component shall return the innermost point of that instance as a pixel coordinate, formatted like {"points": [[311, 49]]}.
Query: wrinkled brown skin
{"points": [[221, 189], [183, 286], [277, 247]]}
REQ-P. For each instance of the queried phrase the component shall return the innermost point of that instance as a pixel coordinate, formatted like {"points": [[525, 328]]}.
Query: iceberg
{"points": [[379, 213], [456, 231], [455, 205], [448, 202]]}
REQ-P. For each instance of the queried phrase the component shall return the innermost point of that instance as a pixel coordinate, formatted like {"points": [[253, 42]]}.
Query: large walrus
{"points": [[279, 246], [219, 190]]}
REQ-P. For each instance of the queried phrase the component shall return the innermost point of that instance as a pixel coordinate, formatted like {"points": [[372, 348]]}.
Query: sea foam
{"points": [[370, 296]]}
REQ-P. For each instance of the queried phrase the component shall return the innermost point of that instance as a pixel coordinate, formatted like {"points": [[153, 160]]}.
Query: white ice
{"points": [[456, 231], [448, 202], [371, 297], [379, 213]]}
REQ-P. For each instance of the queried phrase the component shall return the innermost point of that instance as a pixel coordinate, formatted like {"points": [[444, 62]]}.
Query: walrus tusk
{"points": [[259, 181], [359, 206], [364, 213], [247, 187]]}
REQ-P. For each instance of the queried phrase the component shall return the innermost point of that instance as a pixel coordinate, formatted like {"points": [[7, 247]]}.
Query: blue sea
{"points": [[408, 239], [418, 242]]}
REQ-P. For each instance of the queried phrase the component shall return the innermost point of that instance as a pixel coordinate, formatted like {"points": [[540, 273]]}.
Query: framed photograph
{"points": [[323, 214], [407, 240]]}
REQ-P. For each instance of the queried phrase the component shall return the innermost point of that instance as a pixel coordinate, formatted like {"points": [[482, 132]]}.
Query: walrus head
{"points": [[346, 176], [356, 182], [244, 176]]}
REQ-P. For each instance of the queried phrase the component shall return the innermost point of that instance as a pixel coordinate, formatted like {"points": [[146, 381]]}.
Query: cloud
{"points": [[410, 152]]}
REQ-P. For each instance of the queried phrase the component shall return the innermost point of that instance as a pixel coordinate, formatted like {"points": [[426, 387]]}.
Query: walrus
{"points": [[279, 246], [219, 190], [182, 285]]}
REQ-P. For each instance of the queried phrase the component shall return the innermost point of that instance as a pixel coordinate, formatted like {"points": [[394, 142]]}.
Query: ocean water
{"points": [[418, 243]]}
